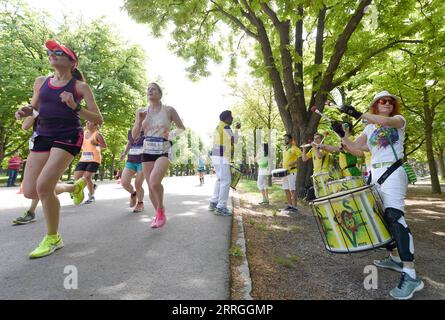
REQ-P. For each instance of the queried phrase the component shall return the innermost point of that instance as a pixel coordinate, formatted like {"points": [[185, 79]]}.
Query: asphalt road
{"points": [[114, 252]]}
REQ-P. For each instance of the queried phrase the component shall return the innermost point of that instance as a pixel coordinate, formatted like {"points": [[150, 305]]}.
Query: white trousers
{"points": [[393, 190], [222, 184]]}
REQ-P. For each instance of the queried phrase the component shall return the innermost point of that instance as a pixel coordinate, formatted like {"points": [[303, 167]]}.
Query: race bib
{"points": [[155, 145], [31, 140], [87, 156], [135, 151]]}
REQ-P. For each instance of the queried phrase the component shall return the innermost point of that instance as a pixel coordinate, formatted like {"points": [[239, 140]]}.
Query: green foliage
{"points": [[113, 69]]}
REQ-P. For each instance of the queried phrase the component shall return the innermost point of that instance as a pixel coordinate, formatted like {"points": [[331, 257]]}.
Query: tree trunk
{"points": [[102, 171], [112, 166], [70, 168], [441, 160], [2, 143], [435, 184]]}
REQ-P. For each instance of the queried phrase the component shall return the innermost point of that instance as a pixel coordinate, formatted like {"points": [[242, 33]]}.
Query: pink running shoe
{"points": [[161, 219], [153, 222]]}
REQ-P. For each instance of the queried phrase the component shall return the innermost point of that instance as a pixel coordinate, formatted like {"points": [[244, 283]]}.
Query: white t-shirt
{"points": [[378, 144]]}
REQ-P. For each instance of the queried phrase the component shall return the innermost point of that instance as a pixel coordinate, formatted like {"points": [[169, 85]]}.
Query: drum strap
{"points": [[389, 171]]}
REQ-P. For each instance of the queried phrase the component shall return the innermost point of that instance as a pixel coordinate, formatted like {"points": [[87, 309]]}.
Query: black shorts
{"points": [[88, 166], [152, 157], [71, 143]]}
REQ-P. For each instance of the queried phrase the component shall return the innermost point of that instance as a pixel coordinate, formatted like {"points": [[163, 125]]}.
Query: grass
{"points": [[287, 262], [261, 227], [276, 193], [294, 228], [236, 251]]}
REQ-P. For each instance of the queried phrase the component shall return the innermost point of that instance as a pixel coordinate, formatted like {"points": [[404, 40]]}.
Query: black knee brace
{"points": [[402, 235]]}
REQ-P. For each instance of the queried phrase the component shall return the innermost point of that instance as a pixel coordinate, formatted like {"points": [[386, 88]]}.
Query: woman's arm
{"points": [[137, 126], [393, 122], [92, 112], [358, 144], [101, 141], [28, 110], [127, 148], [354, 152], [28, 123], [179, 125]]}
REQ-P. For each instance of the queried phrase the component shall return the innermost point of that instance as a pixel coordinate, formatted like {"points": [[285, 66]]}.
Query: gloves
{"points": [[351, 111], [337, 127]]}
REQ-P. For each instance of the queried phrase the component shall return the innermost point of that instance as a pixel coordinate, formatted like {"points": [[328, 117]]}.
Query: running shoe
{"points": [[27, 217], [133, 199], [406, 288], [139, 207], [223, 211], [91, 199], [389, 263], [161, 219], [212, 206], [78, 194], [49, 244]]}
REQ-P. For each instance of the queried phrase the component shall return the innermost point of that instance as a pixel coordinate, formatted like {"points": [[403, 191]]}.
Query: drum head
{"points": [[341, 194]]}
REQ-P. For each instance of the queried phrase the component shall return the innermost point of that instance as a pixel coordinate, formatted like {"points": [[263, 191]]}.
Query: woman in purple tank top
{"points": [[133, 166], [59, 137]]}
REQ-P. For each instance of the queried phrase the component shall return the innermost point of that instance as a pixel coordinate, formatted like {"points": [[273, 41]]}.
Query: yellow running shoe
{"points": [[49, 244], [78, 194]]}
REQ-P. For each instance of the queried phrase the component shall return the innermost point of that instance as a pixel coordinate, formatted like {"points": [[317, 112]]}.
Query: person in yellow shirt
{"points": [[224, 140], [320, 158], [291, 153]]}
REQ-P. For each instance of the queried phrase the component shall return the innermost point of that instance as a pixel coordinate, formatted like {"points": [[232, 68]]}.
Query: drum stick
{"points": [[330, 103], [314, 109]]}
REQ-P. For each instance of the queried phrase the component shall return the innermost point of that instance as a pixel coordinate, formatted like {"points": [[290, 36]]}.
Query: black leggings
{"points": [[403, 238]]}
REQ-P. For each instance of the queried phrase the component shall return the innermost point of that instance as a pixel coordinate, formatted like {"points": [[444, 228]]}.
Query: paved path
{"points": [[116, 253]]}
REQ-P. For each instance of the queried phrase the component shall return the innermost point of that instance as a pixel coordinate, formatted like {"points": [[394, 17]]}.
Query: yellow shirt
{"points": [[223, 141], [320, 165], [291, 155]]}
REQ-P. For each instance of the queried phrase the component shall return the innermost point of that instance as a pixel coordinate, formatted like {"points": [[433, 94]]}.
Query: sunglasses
{"points": [[58, 53], [384, 101]]}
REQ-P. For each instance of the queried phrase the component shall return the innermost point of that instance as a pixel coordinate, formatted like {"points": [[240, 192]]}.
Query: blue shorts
{"points": [[136, 167]]}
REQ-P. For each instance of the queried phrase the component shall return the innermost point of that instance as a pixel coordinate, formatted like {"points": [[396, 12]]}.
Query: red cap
{"points": [[54, 45]]}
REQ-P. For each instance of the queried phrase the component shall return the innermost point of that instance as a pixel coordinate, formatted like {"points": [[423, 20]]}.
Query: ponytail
{"points": [[76, 72], [77, 75]]}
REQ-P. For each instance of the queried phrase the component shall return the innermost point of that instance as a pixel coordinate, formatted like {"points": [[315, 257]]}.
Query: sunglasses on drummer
{"points": [[384, 101]]}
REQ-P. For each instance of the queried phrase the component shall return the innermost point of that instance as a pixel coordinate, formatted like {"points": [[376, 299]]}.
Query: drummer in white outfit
{"points": [[384, 137]]}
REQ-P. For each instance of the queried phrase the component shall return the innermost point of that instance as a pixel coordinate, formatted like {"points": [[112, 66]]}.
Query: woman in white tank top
{"points": [[155, 120]]}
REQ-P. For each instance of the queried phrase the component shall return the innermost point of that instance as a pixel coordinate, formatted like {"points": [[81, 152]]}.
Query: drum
{"points": [[352, 221], [345, 184], [235, 177], [320, 181], [277, 173]]}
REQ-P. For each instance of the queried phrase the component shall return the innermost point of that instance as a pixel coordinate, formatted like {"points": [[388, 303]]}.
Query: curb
{"points": [[243, 269]]}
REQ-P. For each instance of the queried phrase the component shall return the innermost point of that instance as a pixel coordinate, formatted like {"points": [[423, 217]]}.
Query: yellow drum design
{"points": [[352, 221], [236, 176], [321, 180], [345, 184]]}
